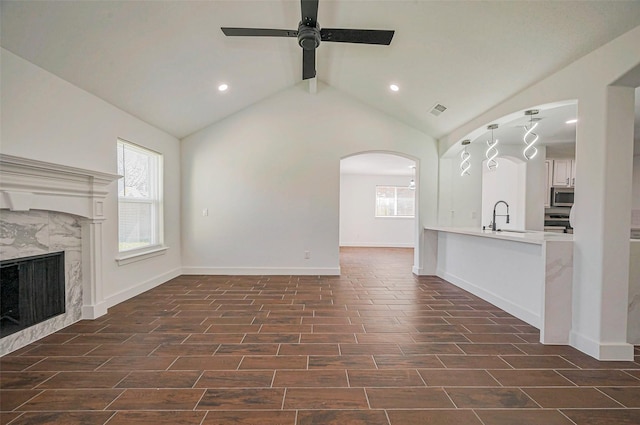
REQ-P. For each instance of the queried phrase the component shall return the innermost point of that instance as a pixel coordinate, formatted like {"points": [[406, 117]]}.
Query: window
{"points": [[395, 201], [139, 197]]}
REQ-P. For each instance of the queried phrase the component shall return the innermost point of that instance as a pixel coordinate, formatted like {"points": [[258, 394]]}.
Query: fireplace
{"points": [[33, 290], [48, 208]]}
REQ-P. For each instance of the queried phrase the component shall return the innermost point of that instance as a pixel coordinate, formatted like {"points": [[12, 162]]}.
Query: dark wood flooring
{"points": [[376, 345]]}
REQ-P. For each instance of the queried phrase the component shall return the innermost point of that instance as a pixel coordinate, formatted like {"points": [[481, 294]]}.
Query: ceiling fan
{"points": [[310, 35]]}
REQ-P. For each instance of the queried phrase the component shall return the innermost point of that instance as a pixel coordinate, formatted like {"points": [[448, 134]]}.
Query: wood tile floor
{"points": [[376, 345]]}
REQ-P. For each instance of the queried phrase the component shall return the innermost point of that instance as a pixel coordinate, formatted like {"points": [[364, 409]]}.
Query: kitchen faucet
{"points": [[493, 224]]}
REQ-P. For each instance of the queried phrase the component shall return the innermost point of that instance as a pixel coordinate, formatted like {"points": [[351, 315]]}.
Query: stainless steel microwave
{"points": [[562, 196]]}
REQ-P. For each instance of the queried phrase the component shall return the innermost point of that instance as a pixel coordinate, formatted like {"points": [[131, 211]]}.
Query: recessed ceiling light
{"points": [[394, 87], [223, 87], [573, 121]]}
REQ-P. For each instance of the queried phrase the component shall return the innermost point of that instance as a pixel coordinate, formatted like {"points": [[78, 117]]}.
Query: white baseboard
{"points": [[269, 271], [601, 351], [377, 245], [139, 289], [511, 308], [90, 312]]}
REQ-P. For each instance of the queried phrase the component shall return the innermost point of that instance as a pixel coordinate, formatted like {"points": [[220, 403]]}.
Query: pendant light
{"points": [[492, 150], [465, 162], [530, 138]]}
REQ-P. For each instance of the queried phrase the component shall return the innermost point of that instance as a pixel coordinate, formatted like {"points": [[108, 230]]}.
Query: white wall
{"points": [[633, 331], [270, 177], [505, 183], [48, 119], [358, 224], [635, 196], [461, 202]]}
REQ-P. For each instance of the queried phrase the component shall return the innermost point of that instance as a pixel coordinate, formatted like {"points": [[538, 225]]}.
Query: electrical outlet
{"points": [[307, 255], [205, 212]]}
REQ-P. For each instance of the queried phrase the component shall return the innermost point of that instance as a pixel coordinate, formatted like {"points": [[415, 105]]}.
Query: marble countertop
{"points": [[523, 236]]}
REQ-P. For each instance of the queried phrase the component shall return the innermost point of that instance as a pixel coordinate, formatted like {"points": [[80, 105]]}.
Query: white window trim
{"points": [[134, 255], [375, 207], [139, 255], [395, 217]]}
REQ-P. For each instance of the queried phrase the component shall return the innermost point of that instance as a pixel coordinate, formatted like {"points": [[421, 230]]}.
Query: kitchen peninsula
{"points": [[526, 273]]}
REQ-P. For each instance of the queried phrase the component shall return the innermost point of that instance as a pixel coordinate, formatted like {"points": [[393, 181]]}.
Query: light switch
{"points": [[205, 212]]}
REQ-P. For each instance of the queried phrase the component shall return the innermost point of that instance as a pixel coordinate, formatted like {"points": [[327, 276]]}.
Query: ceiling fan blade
{"points": [[341, 35], [309, 10], [258, 32], [308, 64]]}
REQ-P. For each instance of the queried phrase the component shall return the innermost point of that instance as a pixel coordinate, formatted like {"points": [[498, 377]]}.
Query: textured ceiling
{"points": [[162, 60]]}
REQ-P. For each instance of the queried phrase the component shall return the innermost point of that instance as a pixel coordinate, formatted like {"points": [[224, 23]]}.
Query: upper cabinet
{"points": [[564, 173], [548, 167]]}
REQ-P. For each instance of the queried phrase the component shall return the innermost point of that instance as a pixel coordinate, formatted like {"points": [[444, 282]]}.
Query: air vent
{"points": [[438, 109]]}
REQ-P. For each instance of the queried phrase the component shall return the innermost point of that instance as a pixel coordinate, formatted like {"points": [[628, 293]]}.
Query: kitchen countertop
{"points": [[523, 236]]}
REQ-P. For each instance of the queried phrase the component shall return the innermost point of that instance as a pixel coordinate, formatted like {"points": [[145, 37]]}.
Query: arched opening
{"points": [[466, 202], [378, 201]]}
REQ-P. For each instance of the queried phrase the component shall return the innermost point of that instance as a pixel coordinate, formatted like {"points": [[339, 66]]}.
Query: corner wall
{"points": [[47, 119]]}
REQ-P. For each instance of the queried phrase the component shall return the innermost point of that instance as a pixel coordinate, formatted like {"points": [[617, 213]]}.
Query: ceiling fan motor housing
{"points": [[308, 35]]}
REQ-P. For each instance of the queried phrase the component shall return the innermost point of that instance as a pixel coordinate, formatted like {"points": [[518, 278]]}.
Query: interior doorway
{"points": [[378, 201]]}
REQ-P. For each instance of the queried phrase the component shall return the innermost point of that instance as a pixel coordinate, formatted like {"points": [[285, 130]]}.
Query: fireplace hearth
{"points": [[33, 290]]}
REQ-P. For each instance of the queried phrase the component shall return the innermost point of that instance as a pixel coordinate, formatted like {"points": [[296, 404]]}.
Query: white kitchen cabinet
{"points": [[548, 167], [563, 173]]}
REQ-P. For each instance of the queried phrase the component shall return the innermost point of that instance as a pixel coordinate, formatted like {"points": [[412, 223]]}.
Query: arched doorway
{"points": [[378, 201]]}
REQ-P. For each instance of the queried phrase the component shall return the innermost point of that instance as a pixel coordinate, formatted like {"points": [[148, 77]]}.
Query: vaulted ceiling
{"points": [[162, 61]]}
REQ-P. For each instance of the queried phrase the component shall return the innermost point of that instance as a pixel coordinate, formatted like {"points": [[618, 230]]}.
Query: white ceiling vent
{"points": [[438, 109]]}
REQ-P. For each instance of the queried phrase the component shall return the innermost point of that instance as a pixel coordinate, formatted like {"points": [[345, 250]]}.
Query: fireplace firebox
{"points": [[32, 290]]}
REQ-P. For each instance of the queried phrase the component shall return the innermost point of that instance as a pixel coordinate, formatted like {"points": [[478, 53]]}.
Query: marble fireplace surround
{"points": [[27, 185]]}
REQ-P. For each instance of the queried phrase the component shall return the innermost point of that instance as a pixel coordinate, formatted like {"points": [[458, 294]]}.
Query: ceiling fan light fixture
{"points": [[308, 35]]}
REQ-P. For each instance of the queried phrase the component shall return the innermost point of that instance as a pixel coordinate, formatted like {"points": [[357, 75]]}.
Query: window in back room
{"points": [[395, 201]]}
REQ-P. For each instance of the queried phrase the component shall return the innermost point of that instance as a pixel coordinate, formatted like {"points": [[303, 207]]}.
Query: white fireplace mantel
{"points": [[27, 184], [30, 184]]}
